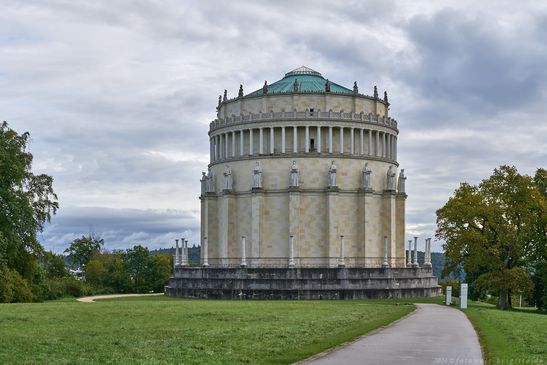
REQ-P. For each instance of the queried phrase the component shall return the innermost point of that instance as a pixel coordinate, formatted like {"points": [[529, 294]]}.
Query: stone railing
{"points": [[297, 116], [304, 262]]}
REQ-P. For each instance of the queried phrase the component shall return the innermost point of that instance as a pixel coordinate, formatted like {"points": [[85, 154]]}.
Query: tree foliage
{"points": [[27, 202], [497, 229], [82, 249]]}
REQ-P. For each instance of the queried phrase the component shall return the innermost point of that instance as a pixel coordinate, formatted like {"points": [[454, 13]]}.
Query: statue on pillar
{"points": [[294, 175], [366, 177], [327, 86], [401, 182], [210, 182], [390, 179], [240, 93], [225, 98], [265, 88], [375, 92], [355, 88], [332, 175], [203, 181], [219, 100], [227, 178], [257, 176], [295, 86], [385, 98]]}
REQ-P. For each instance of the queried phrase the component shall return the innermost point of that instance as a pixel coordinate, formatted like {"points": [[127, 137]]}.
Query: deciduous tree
{"points": [[492, 229]]}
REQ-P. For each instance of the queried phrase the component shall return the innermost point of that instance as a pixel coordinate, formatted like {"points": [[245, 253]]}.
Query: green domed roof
{"points": [[308, 81]]}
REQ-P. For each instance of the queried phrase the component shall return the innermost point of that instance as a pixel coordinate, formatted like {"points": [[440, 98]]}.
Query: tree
{"points": [[82, 249], [27, 202], [492, 229]]}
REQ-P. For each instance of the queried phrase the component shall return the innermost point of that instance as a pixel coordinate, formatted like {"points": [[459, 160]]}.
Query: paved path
{"points": [[432, 334], [93, 298]]}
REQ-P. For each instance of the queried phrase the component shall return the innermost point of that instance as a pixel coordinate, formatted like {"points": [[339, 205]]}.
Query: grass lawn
{"points": [[510, 337], [161, 330]]}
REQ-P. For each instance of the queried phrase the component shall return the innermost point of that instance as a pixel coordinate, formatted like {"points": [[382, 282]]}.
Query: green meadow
{"points": [[159, 330]]}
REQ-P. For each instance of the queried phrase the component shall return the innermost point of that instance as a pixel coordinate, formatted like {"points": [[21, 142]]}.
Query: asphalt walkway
{"points": [[432, 334]]}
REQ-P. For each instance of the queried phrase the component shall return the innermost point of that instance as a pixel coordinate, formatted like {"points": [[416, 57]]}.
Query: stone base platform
{"points": [[302, 283]]}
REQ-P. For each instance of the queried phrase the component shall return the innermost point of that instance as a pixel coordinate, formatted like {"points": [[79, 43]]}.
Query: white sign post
{"points": [[448, 295], [463, 296]]}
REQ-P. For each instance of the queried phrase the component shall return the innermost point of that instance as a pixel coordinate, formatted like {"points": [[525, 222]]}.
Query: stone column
{"points": [[186, 260], [220, 150], [427, 258], [385, 264], [415, 261], [295, 139], [261, 142], [257, 199], [233, 143], [341, 139], [307, 141], [332, 226], [388, 147], [395, 149], [205, 253], [341, 259], [243, 253], [330, 139], [215, 148], [291, 251], [251, 142], [272, 141], [183, 261], [370, 142], [294, 217], [377, 143], [225, 222], [282, 139], [364, 225], [383, 144], [226, 146], [241, 146], [351, 141], [362, 140], [319, 139], [409, 258], [177, 257]]}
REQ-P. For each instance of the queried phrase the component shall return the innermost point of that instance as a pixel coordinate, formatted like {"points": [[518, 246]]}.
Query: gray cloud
{"points": [[118, 96]]}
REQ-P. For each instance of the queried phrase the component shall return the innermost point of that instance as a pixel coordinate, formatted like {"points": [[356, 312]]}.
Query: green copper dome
{"points": [[302, 79]]}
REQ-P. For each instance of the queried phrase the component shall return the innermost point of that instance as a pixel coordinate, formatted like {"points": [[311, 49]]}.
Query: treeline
{"points": [[86, 269]]}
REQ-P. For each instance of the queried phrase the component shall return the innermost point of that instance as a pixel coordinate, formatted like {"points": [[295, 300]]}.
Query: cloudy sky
{"points": [[117, 95]]}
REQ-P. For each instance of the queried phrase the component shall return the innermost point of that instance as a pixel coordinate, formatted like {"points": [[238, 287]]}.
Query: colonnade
{"points": [[372, 142]]}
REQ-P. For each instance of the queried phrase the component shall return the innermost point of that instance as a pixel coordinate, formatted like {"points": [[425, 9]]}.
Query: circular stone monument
{"points": [[302, 198]]}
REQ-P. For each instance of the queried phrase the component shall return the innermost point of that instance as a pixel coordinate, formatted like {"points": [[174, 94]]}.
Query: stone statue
{"points": [[227, 178], [219, 100], [210, 182], [257, 176], [295, 86], [203, 181], [294, 175], [332, 175], [240, 93], [355, 88], [265, 88], [225, 95], [385, 97], [401, 182], [375, 92], [366, 177], [327, 86], [390, 179]]}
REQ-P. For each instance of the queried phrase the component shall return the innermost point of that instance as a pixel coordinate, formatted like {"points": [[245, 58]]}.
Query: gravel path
{"points": [[93, 298]]}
